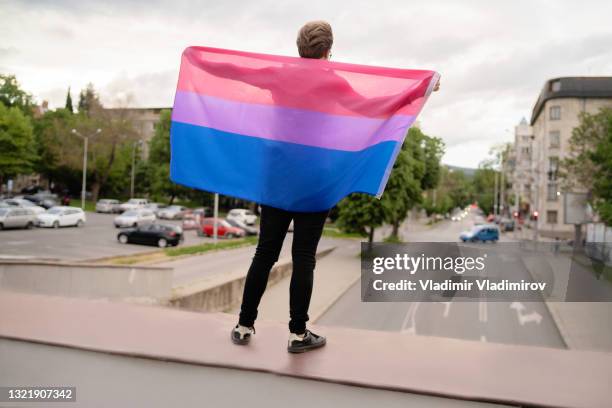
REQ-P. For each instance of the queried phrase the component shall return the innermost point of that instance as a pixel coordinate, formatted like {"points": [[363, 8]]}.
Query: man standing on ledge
{"points": [[314, 41]]}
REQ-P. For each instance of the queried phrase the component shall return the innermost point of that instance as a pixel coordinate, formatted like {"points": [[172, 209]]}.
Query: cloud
{"points": [[494, 57]]}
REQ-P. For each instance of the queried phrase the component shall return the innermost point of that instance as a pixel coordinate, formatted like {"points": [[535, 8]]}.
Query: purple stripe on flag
{"points": [[291, 125]]}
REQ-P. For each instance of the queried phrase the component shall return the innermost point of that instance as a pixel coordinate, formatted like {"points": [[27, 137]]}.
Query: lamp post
{"points": [[85, 143], [139, 143]]}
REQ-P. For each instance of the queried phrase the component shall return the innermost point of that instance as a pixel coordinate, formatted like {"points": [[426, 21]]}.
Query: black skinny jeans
{"points": [[307, 229]]}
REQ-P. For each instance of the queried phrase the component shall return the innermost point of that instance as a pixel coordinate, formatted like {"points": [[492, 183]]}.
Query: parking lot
{"points": [[96, 239]]}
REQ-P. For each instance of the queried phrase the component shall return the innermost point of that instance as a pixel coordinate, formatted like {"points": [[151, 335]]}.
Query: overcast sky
{"points": [[494, 56]]}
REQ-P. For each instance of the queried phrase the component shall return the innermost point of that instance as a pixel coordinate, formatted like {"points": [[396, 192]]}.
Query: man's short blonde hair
{"points": [[315, 39]]}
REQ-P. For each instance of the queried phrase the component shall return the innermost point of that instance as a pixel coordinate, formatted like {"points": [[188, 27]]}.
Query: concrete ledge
{"points": [[459, 369], [140, 284], [223, 292]]}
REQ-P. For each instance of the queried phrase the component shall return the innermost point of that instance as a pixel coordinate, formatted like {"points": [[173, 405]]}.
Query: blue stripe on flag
{"points": [[285, 175]]}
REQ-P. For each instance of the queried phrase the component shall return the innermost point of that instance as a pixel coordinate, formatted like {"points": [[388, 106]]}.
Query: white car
{"points": [[133, 204], [107, 206], [16, 217], [173, 212], [23, 203], [242, 215], [56, 217], [134, 218]]}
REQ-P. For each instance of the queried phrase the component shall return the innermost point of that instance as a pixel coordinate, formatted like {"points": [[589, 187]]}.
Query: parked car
{"points": [[133, 204], [134, 218], [152, 234], [16, 217], [224, 229], [155, 207], [108, 206], [43, 199], [173, 212], [23, 203], [248, 230], [506, 224], [193, 219], [484, 233], [240, 214], [61, 217]]}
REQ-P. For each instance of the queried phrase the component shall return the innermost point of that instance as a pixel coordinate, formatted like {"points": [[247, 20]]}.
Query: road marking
{"points": [[447, 306], [525, 318], [483, 315], [483, 338], [410, 319]]}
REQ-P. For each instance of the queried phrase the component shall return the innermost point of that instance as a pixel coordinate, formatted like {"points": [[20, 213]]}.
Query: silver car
{"points": [[16, 217], [108, 206]]}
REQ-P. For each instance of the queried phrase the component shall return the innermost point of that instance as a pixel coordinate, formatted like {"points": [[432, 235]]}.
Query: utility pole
{"points": [[139, 144], [85, 146], [215, 215]]}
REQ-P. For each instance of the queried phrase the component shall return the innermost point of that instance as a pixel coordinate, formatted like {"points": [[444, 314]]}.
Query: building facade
{"points": [[144, 120], [520, 169], [555, 115]]}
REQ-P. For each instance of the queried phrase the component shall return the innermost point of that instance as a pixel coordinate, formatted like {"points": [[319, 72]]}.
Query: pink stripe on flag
{"points": [[304, 127]]}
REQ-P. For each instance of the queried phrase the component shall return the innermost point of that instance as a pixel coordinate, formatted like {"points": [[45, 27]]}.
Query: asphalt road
{"points": [[525, 323], [97, 239]]}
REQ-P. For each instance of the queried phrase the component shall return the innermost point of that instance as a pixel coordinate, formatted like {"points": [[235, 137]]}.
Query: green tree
{"points": [[11, 95], [484, 185], [360, 213], [589, 163], [17, 151], [89, 102], [158, 165], [69, 106]]}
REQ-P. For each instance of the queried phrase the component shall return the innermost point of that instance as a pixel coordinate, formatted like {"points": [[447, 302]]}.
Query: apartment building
{"points": [[144, 120], [554, 116], [520, 168]]}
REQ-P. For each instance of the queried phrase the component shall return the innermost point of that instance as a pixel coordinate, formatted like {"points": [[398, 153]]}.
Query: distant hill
{"points": [[469, 172]]}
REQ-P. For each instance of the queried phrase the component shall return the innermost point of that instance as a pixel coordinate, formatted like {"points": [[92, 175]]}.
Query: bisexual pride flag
{"points": [[293, 133]]}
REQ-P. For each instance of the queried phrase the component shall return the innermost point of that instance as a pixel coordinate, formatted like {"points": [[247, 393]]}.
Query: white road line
{"points": [[483, 339], [410, 319], [482, 311], [447, 306]]}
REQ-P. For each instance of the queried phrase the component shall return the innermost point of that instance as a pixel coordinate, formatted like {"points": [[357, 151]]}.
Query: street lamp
{"points": [[139, 143], [85, 142]]}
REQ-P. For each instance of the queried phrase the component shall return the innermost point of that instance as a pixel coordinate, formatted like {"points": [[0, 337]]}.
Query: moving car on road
{"points": [[248, 230], [240, 214], [108, 206], [61, 217], [224, 229], [16, 217], [134, 218], [133, 204], [152, 234], [484, 233], [173, 212], [23, 203]]}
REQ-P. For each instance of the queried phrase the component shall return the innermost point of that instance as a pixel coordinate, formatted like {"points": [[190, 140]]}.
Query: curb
{"points": [[223, 292], [555, 316]]}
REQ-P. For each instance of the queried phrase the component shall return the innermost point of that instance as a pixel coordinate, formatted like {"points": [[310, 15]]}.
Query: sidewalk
{"points": [[583, 325], [333, 275]]}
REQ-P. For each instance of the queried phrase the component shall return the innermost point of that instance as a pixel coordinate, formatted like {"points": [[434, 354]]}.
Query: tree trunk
{"points": [[395, 230], [95, 191]]}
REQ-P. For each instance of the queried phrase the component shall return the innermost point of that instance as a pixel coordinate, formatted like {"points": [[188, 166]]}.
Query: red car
{"points": [[224, 229]]}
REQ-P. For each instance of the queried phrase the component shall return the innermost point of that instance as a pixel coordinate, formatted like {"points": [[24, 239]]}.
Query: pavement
{"points": [[441, 370], [525, 323], [96, 239]]}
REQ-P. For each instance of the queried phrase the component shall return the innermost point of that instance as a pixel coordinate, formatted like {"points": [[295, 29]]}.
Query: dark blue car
{"points": [[481, 233]]}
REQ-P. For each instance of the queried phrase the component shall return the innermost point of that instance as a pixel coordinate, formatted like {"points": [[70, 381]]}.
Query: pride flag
{"points": [[293, 133]]}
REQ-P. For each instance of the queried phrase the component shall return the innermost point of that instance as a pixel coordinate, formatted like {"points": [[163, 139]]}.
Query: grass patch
{"points": [[209, 246], [332, 232], [393, 239], [89, 205]]}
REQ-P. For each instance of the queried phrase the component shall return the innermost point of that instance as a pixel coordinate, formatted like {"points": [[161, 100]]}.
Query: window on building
{"points": [[555, 86], [525, 138], [551, 217], [555, 112], [554, 138], [553, 168], [552, 192]]}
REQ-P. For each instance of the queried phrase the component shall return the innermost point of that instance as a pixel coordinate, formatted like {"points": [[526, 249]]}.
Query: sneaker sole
{"points": [[304, 349], [240, 342]]}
